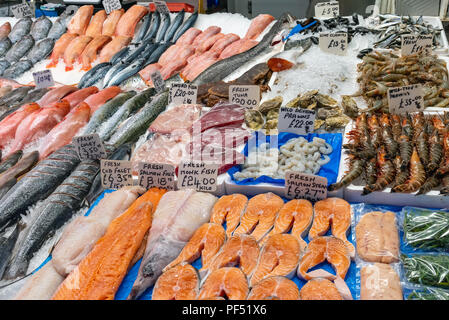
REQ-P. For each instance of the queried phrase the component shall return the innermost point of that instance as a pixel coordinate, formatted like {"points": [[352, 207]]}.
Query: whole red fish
{"points": [[38, 124], [75, 98], [8, 126], [64, 132], [56, 94]]}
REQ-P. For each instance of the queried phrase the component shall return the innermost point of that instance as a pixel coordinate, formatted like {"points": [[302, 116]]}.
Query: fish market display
{"points": [[380, 281], [274, 288], [229, 282], [179, 283], [229, 210]]}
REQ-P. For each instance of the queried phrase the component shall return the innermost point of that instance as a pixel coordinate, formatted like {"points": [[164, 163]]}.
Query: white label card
{"points": [[89, 147], [327, 9], [296, 120], [183, 93], [197, 175], [161, 6], [116, 174], [21, 10], [156, 175], [335, 43], [43, 79], [406, 99], [411, 44], [246, 96], [305, 186], [111, 5], [158, 81]]}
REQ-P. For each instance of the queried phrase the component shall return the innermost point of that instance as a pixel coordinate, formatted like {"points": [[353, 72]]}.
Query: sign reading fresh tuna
{"points": [[246, 96]]}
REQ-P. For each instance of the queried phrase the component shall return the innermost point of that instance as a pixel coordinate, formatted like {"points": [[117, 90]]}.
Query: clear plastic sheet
{"points": [[426, 293], [431, 269], [380, 281]]}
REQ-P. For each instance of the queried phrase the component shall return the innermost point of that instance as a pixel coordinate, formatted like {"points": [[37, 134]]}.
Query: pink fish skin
{"points": [[8, 126], [64, 132], [98, 99], [38, 124], [56, 95], [79, 96]]}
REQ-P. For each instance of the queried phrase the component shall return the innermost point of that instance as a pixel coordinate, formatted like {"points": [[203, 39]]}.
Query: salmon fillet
{"points": [[79, 22], [279, 257], [274, 288], [96, 24], [377, 237], [230, 283], [330, 249], [205, 242], [258, 25], [127, 23], [380, 281], [223, 42], [320, 289], [209, 32], [111, 21], [188, 37], [209, 42], [296, 215], [260, 215], [100, 273], [113, 47], [229, 209], [179, 283], [333, 211]]}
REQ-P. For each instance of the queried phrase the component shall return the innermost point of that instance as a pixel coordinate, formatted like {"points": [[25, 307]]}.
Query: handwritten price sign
{"points": [[411, 44], [156, 175], [327, 9], [335, 43], [406, 99], [183, 93], [111, 5], [89, 147], [305, 186], [296, 120], [116, 174], [158, 81], [21, 10], [161, 6], [246, 96], [43, 79], [198, 175]]}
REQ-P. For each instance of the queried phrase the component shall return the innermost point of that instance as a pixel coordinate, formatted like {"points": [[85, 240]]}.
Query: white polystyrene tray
{"points": [[353, 192]]}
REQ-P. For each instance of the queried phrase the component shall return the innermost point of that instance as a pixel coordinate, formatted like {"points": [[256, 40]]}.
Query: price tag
{"points": [[89, 147], [411, 44], [335, 43], [156, 175], [116, 174], [158, 81], [296, 120], [43, 79], [161, 6], [197, 175], [246, 96], [406, 99], [111, 5], [21, 10], [183, 93], [327, 9], [305, 186]]}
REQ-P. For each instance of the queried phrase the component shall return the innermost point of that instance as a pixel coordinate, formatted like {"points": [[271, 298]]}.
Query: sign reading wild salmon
{"points": [[305, 186], [43, 79], [21, 10], [156, 175], [296, 120], [183, 93], [197, 175], [89, 147], [116, 174], [327, 9], [335, 43], [246, 96], [111, 5], [411, 44], [406, 99]]}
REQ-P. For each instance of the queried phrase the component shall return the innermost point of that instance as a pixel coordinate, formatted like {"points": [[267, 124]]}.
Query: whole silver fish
{"points": [[40, 28], [7, 242], [41, 50], [165, 24], [3, 66], [5, 45], [20, 49], [18, 68], [185, 26], [113, 71], [174, 26], [127, 72], [53, 213], [93, 75], [20, 29], [146, 21], [155, 22]]}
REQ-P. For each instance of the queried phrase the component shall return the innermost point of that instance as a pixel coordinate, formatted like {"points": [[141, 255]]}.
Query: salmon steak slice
{"points": [[240, 250], [179, 283], [205, 242], [229, 283], [333, 211], [274, 288], [279, 257], [295, 216], [330, 249], [260, 215], [229, 209], [320, 289]]}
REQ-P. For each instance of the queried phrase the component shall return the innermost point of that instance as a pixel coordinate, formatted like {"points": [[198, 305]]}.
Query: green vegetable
{"points": [[429, 294], [426, 229], [429, 270]]}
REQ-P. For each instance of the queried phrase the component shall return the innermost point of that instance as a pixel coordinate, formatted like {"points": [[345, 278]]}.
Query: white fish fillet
{"points": [[82, 234], [176, 218]]}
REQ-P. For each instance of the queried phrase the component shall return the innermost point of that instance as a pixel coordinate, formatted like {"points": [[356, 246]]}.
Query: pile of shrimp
{"points": [[409, 153], [297, 155]]}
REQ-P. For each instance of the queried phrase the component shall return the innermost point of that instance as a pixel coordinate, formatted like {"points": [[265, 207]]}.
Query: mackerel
{"points": [[146, 21], [174, 26], [157, 53], [165, 24], [127, 72], [185, 26], [155, 22], [94, 74], [113, 71]]}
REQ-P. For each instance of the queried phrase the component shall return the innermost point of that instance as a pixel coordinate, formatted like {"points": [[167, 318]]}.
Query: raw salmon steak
{"points": [[229, 209], [333, 211], [101, 272], [274, 288], [380, 281], [179, 283], [279, 257], [240, 250], [330, 249], [111, 21], [295, 216], [377, 237], [229, 283], [205, 242], [129, 20], [320, 289], [260, 215], [78, 24]]}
